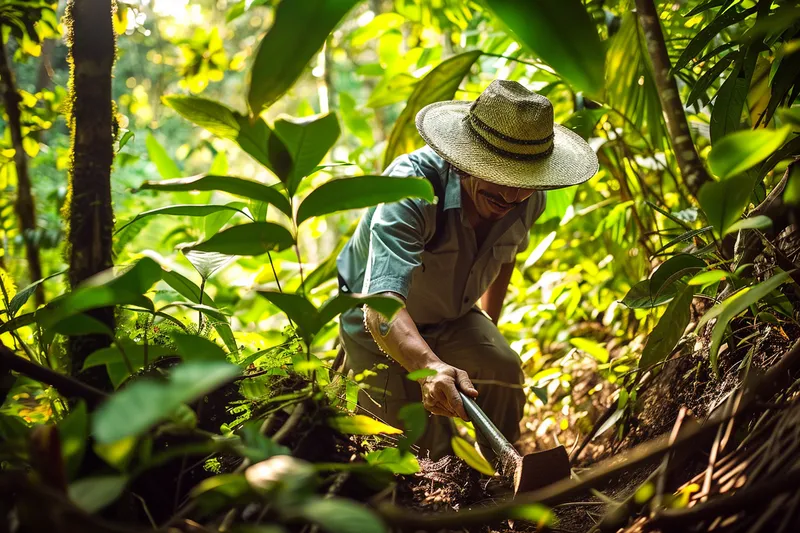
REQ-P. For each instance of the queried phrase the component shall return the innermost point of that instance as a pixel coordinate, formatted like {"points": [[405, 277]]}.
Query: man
{"points": [[490, 162]]}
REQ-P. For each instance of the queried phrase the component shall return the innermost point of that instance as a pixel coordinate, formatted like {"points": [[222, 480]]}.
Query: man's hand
{"points": [[440, 392]]}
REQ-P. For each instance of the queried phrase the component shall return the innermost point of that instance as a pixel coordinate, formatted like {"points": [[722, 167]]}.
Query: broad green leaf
{"points": [[120, 453], [206, 263], [142, 404], [255, 238], [361, 191], [213, 116], [388, 306], [298, 309], [732, 307], [166, 166], [471, 456], [196, 348], [535, 513], [214, 222], [114, 359], [669, 329], [361, 425], [307, 140], [17, 322], [593, 348], [421, 373], [724, 201], [415, 419], [706, 278], [439, 84], [337, 515], [683, 238], [73, 432], [644, 296], [660, 288], [741, 150], [757, 222], [186, 287], [228, 184], [562, 33], [103, 290], [94, 493], [80, 324], [298, 32], [726, 115], [22, 296], [394, 460], [710, 32], [184, 210]]}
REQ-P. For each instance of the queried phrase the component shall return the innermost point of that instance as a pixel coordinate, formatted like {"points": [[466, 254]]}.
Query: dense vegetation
{"points": [[178, 178]]}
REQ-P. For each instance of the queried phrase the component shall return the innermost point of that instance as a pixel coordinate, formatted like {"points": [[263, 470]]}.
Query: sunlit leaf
{"points": [[439, 84], [144, 403], [307, 140], [394, 460], [706, 278], [22, 296], [591, 347], [415, 419], [536, 513], [298, 309], [228, 184], [421, 373], [471, 456], [542, 26], [185, 210], [724, 201], [757, 222], [741, 150], [166, 166], [196, 348], [361, 425], [298, 32], [255, 238], [361, 191]]}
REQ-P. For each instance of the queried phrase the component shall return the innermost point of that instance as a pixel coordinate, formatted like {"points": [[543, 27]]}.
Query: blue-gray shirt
{"points": [[388, 250]]}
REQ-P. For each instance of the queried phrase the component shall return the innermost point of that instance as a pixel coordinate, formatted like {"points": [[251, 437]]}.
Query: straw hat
{"points": [[507, 136]]}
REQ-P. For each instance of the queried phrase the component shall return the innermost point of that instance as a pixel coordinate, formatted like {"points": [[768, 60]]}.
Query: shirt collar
{"points": [[452, 189]]}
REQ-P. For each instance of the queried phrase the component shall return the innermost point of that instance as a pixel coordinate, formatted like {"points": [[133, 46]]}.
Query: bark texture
{"points": [[24, 205], [90, 216], [692, 169]]}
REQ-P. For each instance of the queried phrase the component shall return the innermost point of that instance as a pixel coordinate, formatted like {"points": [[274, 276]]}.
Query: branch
{"points": [[692, 169], [65, 385]]}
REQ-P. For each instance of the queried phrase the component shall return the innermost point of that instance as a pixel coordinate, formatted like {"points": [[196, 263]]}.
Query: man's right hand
{"points": [[440, 391]]}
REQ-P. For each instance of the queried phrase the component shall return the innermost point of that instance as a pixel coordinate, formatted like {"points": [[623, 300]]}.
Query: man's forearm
{"points": [[400, 339]]}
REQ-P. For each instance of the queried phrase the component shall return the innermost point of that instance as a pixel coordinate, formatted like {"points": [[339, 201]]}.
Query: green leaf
{"points": [[183, 210], [726, 116], [120, 453], [142, 404], [668, 331], [394, 460], [593, 348], [298, 32], [706, 278], [660, 288], [471, 456], [421, 373], [23, 295], [535, 513], [80, 324], [298, 309], [337, 515], [757, 222], [388, 306], [255, 238], [734, 305], [361, 191], [543, 26], [94, 493], [213, 116], [73, 432], [167, 168], [710, 32], [114, 359], [644, 296], [439, 84], [741, 150], [415, 419], [103, 290], [307, 140], [257, 446], [724, 201], [196, 348], [228, 184], [361, 425]]}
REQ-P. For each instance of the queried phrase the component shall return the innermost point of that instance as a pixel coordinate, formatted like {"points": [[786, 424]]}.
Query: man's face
{"points": [[492, 201]]}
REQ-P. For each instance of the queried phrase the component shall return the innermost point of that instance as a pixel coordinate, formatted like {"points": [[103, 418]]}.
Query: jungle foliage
{"points": [[245, 138]]}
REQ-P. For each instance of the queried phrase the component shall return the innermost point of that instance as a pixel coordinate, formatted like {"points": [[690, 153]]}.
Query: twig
{"points": [[66, 385]]}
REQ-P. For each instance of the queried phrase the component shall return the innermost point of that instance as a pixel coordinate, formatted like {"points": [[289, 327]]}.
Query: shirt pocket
{"points": [[501, 254]]}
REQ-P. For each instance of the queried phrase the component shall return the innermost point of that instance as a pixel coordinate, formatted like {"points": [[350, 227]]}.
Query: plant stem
{"points": [[200, 301]]}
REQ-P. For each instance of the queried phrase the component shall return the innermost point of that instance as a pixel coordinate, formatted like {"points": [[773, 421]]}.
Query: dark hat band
{"points": [[478, 123], [476, 135]]}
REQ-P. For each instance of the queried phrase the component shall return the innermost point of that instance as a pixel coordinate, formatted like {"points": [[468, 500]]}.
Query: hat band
{"points": [[484, 126], [506, 148]]}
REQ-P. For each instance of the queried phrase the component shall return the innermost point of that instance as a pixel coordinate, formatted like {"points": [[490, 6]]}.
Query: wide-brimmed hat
{"points": [[507, 136]]}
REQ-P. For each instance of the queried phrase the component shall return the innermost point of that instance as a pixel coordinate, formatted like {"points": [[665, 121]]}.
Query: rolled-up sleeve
{"points": [[398, 233]]}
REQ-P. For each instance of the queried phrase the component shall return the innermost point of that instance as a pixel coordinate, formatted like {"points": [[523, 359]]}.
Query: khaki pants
{"points": [[471, 343]]}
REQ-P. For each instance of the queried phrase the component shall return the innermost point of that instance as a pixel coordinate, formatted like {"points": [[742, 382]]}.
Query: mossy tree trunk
{"points": [[90, 216], [24, 205]]}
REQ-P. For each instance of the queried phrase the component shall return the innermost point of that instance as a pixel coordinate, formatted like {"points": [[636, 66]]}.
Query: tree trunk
{"points": [[692, 169], [90, 216], [24, 205]]}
